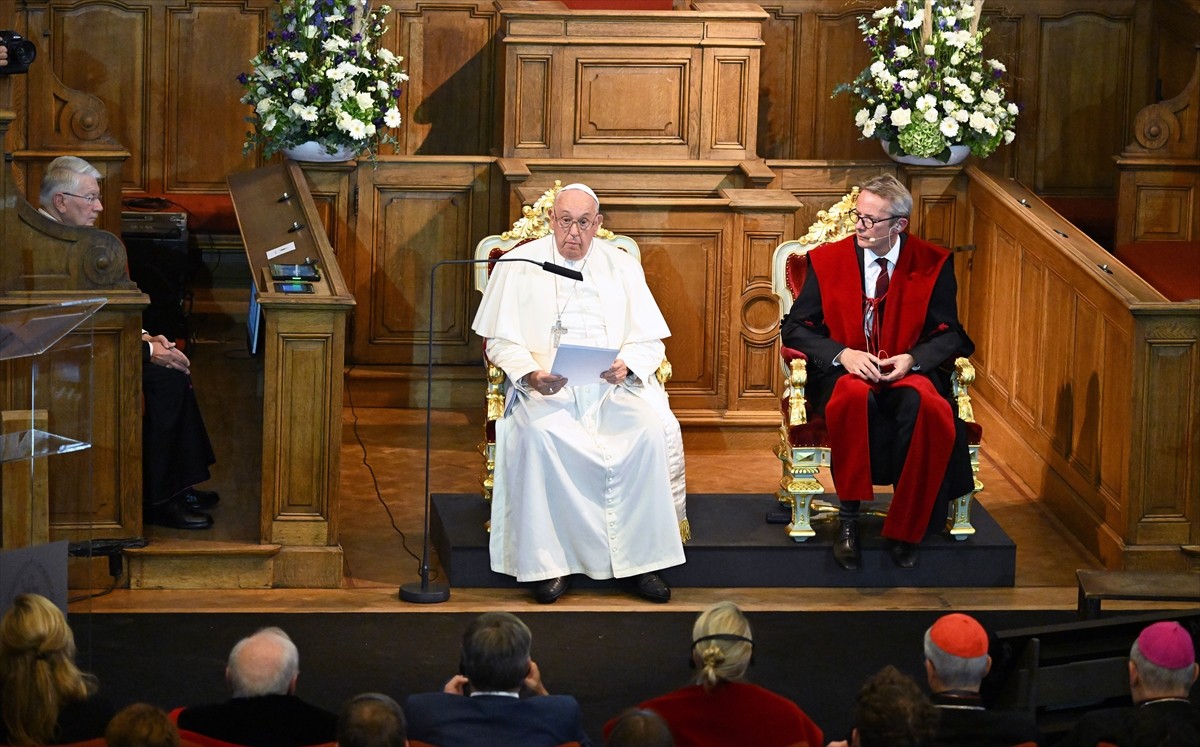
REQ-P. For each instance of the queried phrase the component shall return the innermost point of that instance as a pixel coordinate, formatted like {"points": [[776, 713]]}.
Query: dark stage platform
{"points": [[733, 546]]}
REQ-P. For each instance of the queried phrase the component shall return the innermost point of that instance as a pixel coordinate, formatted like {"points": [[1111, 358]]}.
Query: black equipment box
{"points": [[155, 230]]}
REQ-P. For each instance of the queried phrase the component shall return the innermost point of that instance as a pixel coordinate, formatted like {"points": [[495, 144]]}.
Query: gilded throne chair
{"points": [[803, 446], [534, 224]]}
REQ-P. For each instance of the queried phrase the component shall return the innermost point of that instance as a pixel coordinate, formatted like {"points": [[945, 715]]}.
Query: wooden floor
{"points": [[382, 483]]}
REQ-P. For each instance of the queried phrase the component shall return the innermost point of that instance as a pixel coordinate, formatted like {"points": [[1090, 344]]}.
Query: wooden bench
{"points": [[1166, 586]]}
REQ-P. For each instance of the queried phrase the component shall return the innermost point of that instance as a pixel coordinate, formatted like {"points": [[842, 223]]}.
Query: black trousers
{"points": [[176, 452]]}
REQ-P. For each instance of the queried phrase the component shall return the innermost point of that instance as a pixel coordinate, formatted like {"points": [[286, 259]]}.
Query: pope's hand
{"points": [[616, 373], [545, 382]]}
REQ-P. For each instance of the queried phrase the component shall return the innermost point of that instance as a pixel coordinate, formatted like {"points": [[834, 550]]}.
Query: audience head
{"points": [[722, 645], [1162, 662], [141, 725], [71, 191], [575, 219], [266, 663], [371, 720], [495, 652], [638, 727], [38, 675], [956, 653], [891, 711]]}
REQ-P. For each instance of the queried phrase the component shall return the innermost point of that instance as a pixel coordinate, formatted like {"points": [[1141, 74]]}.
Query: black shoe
{"points": [[845, 549], [904, 554], [650, 586], [176, 514], [548, 591], [198, 500]]}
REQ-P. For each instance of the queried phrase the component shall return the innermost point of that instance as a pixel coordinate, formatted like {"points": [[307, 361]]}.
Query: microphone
{"points": [[425, 592], [566, 272]]}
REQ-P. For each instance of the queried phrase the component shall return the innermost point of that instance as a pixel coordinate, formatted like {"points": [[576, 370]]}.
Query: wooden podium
{"points": [[303, 353]]}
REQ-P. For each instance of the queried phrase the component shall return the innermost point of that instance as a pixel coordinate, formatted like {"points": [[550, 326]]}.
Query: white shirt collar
{"points": [[892, 255]]}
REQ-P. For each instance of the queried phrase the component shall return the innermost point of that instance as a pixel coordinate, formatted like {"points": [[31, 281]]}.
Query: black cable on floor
{"points": [[374, 479]]}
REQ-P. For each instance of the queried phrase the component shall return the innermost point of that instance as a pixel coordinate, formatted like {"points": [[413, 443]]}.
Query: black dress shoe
{"points": [[650, 586], [845, 549], [198, 500], [176, 514], [548, 591], [904, 554]]}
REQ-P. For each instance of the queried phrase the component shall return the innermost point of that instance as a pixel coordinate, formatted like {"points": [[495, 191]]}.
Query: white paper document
{"points": [[582, 365]]}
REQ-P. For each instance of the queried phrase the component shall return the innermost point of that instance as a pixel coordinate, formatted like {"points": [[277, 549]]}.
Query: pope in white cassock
{"points": [[589, 474]]}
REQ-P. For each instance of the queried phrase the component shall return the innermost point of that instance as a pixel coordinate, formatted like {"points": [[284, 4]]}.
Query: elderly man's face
{"points": [[574, 209], [82, 207]]}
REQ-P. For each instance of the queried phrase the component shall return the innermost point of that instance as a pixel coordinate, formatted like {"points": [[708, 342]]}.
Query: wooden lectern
{"points": [[303, 354]]}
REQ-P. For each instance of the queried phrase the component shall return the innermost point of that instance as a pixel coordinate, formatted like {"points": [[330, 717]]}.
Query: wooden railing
{"points": [[1086, 380]]}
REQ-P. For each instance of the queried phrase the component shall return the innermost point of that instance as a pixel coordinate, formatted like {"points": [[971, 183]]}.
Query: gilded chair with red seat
{"points": [[534, 224], [803, 446]]}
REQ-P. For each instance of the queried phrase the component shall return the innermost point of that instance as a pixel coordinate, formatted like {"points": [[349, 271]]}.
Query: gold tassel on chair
{"points": [[797, 380]]}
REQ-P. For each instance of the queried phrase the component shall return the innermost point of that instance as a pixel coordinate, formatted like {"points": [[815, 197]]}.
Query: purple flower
{"points": [[932, 63], [872, 42], [242, 78], [898, 87]]}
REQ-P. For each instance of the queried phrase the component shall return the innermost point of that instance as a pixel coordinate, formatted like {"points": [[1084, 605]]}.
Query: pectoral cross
{"points": [[557, 331]]}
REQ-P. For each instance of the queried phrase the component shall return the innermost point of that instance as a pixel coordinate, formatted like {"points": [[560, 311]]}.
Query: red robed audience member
{"points": [[956, 661], [264, 710], [721, 708], [878, 321], [1162, 670], [44, 698]]}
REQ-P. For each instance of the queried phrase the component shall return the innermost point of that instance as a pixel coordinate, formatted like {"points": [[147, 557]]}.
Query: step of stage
{"points": [[204, 564], [733, 546]]}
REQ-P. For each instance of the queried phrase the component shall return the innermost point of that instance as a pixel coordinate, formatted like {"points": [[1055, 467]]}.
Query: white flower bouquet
{"points": [[928, 86], [324, 77]]}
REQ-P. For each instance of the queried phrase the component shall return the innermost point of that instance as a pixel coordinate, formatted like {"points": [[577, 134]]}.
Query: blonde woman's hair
{"points": [[726, 656], [38, 676]]}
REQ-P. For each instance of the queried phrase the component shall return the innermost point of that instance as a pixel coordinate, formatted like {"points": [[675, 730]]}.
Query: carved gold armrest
{"points": [[964, 377], [664, 372], [797, 379], [495, 392]]}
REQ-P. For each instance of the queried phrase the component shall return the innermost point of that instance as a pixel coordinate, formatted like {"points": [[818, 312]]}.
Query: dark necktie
{"points": [[881, 285], [875, 325]]}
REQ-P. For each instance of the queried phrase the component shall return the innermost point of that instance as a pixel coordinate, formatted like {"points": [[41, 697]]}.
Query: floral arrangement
{"points": [[325, 77], [928, 86]]}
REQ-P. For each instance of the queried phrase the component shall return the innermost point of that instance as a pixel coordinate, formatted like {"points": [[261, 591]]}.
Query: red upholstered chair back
{"points": [[789, 266]]}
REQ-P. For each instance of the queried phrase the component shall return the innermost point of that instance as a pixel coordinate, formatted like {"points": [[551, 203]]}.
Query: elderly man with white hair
{"points": [[583, 480], [1162, 672], [956, 661], [264, 710]]}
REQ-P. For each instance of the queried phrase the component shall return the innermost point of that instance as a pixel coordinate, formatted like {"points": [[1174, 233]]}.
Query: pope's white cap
{"points": [[582, 188]]}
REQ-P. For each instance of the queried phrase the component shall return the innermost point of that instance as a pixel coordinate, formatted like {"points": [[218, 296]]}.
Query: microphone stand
{"points": [[424, 592]]}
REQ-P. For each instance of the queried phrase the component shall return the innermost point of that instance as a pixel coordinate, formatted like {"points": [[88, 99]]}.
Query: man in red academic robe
{"points": [[878, 321]]}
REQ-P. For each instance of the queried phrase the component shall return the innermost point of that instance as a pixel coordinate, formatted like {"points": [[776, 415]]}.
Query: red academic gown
{"points": [[732, 713], [922, 452]]}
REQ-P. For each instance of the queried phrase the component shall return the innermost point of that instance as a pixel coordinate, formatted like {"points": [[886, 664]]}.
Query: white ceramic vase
{"points": [[315, 152], [958, 154]]}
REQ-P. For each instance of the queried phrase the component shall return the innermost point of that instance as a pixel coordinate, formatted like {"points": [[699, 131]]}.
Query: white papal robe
{"points": [[588, 480]]}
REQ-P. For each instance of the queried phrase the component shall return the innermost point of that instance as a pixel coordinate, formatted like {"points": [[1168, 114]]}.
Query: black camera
{"points": [[21, 52]]}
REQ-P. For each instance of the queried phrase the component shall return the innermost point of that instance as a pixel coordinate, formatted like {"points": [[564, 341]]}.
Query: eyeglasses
{"points": [[89, 199], [584, 224], [868, 221]]}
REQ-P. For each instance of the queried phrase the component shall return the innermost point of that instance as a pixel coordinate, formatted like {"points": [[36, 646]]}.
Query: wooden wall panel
{"points": [[413, 213], [105, 50], [1099, 102], [449, 106], [210, 113]]}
